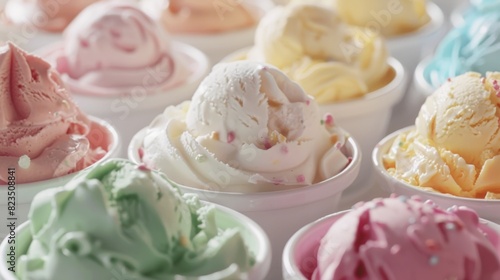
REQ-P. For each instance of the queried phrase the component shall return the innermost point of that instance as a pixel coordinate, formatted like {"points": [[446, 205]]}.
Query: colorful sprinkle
{"points": [[403, 198], [308, 102], [450, 226], [329, 119], [141, 152], [338, 145], [65, 103], [143, 167], [395, 249], [483, 80], [301, 179], [449, 79], [334, 138], [215, 135], [276, 162], [230, 137], [24, 162], [433, 260], [432, 244]]}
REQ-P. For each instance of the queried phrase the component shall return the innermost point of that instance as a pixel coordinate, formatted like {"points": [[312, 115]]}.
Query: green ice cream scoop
{"points": [[122, 221]]}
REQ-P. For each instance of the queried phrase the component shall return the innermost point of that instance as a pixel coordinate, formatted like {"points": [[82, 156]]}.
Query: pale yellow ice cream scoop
{"points": [[455, 147], [331, 60], [387, 17]]}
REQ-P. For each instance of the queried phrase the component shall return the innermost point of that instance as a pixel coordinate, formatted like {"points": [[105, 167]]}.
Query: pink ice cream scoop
{"points": [[48, 15], [206, 16], [114, 48], [402, 238], [39, 122]]}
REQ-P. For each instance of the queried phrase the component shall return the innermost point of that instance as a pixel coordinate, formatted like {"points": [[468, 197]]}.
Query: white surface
{"points": [[280, 213], [223, 215], [487, 209], [26, 192]]}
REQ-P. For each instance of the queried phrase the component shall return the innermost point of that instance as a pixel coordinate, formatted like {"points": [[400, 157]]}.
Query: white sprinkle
{"points": [[24, 162]]}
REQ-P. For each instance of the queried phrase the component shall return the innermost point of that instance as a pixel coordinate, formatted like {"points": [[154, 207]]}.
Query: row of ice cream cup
{"points": [[185, 138]]}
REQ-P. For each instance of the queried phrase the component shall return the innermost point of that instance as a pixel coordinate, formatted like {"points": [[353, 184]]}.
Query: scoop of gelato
{"points": [[123, 221], [401, 238], [248, 128], [40, 122], [455, 147], [331, 60]]}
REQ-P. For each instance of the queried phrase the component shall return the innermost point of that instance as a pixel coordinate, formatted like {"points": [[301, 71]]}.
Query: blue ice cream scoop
{"points": [[473, 46]]}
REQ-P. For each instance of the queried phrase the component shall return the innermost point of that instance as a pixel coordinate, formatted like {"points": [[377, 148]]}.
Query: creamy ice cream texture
{"points": [[388, 17], [314, 47], [206, 16], [40, 123], [123, 221], [401, 238], [455, 146], [48, 15], [473, 46], [114, 48], [248, 128]]}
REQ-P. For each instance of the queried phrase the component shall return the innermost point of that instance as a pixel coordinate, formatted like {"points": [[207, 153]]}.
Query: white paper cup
{"points": [[25, 193], [280, 213], [407, 110], [409, 48], [217, 45], [129, 113], [488, 209], [299, 255], [254, 237], [367, 119]]}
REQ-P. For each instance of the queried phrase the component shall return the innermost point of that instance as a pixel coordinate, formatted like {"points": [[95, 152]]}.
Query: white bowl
{"points": [[280, 213], [217, 45], [129, 113], [254, 236], [488, 209], [24, 193], [407, 110], [410, 47], [367, 119], [299, 255]]}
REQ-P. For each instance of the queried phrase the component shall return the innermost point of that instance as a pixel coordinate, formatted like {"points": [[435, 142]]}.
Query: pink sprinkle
{"points": [[267, 145], [284, 149], [495, 82], [308, 102], [143, 167], [349, 160], [338, 145], [141, 153], [230, 137], [329, 119], [301, 179], [449, 79]]}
